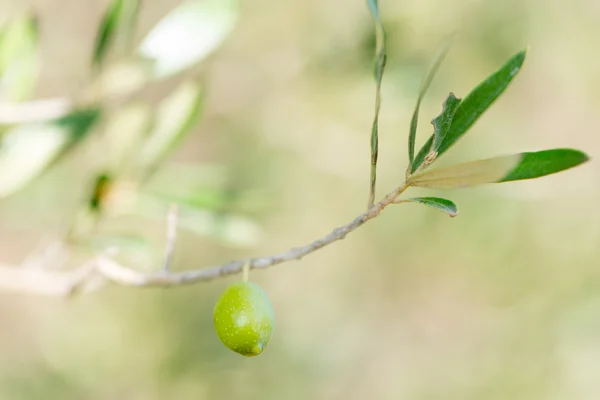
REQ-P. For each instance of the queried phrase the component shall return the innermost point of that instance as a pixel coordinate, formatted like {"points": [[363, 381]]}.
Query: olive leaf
{"points": [[117, 24], [380, 61], [28, 150], [19, 58], [120, 78], [188, 34], [545, 162], [473, 106], [466, 174], [176, 116], [438, 203], [432, 70], [442, 122], [500, 169]]}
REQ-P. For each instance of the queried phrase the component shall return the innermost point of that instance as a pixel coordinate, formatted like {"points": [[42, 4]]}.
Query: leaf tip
{"points": [[585, 157]]}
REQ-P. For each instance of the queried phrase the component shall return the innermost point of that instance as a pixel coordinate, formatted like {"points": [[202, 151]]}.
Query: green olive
{"points": [[244, 319]]}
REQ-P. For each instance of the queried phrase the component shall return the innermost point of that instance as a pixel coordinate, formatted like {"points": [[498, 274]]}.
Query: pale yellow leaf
{"points": [[467, 174]]}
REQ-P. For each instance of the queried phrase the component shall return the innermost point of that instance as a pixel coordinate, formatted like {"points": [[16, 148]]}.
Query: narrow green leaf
{"points": [[188, 34], [438, 203], [106, 29], [473, 106], [432, 70], [19, 59], [28, 150], [442, 122], [466, 174], [176, 117], [546, 162], [380, 61], [118, 23]]}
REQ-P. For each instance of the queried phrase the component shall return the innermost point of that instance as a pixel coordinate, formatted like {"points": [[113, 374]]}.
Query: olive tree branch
{"points": [[42, 281], [123, 275]]}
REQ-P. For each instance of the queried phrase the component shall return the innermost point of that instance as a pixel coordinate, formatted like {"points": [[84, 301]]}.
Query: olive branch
{"points": [[34, 276]]}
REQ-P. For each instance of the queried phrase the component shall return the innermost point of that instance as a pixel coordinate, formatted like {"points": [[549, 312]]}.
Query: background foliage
{"points": [[500, 302]]}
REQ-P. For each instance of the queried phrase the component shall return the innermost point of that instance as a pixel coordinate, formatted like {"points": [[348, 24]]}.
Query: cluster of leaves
{"points": [[458, 115], [136, 135]]}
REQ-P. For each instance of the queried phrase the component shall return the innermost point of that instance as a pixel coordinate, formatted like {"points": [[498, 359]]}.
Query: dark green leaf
{"points": [[119, 20], [380, 60], [433, 68], [442, 122], [474, 105], [78, 123], [466, 174], [546, 162], [438, 203]]}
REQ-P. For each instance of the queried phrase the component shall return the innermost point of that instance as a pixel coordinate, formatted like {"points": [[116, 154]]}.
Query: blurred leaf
{"points": [[124, 132], [233, 230], [433, 68], [175, 117], [120, 79], [27, 150], [546, 162], [132, 249], [77, 124], [19, 61], [467, 174], [442, 122], [207, 198], [474, 105], [176, 175], [119, 20], [380, 60], [188, 34], [438, 203]]}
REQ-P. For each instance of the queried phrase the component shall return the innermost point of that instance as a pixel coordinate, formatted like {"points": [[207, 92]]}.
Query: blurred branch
{"points": [[40, 280], [171, 236], [34, 111]]}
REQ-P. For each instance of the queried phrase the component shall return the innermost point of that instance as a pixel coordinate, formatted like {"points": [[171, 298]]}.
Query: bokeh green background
{"points": [[502, 302]]}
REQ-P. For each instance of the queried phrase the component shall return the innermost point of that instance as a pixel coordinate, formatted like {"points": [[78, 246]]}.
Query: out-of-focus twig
{"points": [[172, 218], [34, 111]]}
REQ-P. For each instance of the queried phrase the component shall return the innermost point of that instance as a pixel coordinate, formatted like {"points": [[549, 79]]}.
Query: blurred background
{"points": [[502, 302]]}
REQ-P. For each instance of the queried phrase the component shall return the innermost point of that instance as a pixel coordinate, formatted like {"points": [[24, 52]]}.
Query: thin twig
{"points": [[41, 281], [172, 218]]}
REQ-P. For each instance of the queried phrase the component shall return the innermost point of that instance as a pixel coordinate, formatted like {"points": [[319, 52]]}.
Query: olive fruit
{"points": [[244, 318]]}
